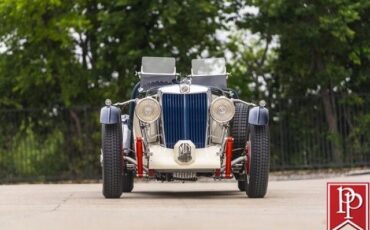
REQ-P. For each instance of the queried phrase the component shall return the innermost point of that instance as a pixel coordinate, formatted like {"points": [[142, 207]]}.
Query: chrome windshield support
{"points": [[125, 102], [244, 102]]}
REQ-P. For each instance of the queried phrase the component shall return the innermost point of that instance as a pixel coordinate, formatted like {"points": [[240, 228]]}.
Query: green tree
{"points": [[78, 52], [63, 55], [323, 49], [38, 67]]}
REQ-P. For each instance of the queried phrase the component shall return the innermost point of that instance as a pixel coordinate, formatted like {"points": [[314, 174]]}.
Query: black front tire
{"points": [[127, 182], [257, 179], [112, 160], [241, 185]]}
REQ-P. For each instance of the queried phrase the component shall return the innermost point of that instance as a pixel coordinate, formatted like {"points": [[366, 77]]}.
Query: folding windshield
{"points": [[158, 65], [157, 72], [209, 72], [209, 66]]}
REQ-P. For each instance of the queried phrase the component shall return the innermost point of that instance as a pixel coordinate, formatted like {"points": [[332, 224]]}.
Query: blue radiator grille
{"points": [[185, 118]]}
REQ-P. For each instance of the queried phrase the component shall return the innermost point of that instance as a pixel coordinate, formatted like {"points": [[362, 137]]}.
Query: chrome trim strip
{"points": [[208, 129], [185, 117], [160, 94], [175, 89]]}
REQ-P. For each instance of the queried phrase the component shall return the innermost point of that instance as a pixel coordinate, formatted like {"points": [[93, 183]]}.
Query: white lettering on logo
{"points": [[346, 197]]}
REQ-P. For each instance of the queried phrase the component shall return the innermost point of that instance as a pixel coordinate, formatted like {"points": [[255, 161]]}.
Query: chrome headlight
{"points": [[148, 109], [222, 109]]}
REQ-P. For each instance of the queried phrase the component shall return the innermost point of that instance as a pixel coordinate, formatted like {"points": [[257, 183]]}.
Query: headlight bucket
{"points": [[148, 110], [222, 109]]}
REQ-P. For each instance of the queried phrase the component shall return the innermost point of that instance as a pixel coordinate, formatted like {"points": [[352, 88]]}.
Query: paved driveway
{"points": [[299, 204]]}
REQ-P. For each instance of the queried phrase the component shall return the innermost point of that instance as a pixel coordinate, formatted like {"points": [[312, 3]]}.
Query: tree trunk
{"points": [[77, 122], [331, 119]]}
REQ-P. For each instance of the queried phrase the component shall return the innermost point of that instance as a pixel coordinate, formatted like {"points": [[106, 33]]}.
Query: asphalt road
{"points": [[299, 204]]}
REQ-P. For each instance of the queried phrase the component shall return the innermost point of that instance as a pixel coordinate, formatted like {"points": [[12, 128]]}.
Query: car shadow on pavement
{"points": [[185, 195]]}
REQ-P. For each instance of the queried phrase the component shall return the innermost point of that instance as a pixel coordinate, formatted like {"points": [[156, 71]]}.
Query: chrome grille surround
{"points": [[185, 116]]}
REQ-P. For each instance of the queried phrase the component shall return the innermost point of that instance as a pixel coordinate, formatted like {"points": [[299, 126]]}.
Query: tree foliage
{"points": [[57, 57], [322, 43], [323, 50], [78, 52]]}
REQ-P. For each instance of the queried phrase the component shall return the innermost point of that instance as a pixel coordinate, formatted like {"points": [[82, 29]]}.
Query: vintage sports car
{"points": [[184, 128]]}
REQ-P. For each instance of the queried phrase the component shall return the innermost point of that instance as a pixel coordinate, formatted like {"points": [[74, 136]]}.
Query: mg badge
{"points": [[184, 153]]}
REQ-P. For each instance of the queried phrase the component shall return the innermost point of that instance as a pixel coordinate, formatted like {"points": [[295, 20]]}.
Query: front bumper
{"points": [[205, 159]]}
